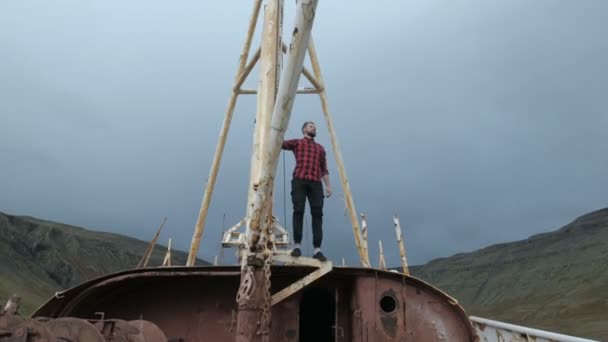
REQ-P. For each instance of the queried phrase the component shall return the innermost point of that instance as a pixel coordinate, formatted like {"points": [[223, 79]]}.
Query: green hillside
{"points": [[556, 281], [38, 258]]}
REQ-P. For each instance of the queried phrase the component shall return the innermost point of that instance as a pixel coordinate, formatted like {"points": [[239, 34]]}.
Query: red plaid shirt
{"points": [[311, 163]]}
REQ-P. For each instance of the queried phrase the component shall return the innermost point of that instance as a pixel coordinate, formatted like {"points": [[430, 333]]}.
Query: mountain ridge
{"points": [[40, 257], [556, 281]]}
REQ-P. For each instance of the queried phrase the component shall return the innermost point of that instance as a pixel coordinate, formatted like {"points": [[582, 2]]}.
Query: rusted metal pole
{"points": [[406, 269], [146, 257], [381, 260], [348, 197], [270, 64], [282, 113], [253, 299], [219, 150], [250, 310]]}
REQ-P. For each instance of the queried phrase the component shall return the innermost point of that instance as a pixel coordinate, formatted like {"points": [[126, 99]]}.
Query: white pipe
{"points": [[523, 330]]}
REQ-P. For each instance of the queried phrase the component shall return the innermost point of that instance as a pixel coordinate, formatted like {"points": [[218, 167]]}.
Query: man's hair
{"points": [[306, 124]]}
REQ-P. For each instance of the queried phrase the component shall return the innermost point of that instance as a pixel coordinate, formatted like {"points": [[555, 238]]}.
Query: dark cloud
{"points": [[477, 122]]}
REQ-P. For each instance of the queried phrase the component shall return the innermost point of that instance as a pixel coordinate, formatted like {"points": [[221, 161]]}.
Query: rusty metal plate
{"points": [[149, 331], [117, 330], [74, 329], [22, 329]]}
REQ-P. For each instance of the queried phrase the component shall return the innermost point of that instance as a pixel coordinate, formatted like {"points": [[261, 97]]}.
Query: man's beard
{"points": [[311, 134]]}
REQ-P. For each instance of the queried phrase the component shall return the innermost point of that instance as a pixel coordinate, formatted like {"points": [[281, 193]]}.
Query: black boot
{"points": [[319, 256]]}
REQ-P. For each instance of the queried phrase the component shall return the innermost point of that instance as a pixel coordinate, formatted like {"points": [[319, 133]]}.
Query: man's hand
{"points": [[328, 191]]}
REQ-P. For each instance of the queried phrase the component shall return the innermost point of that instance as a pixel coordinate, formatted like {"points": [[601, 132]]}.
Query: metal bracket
{"points": [[233, 238], [324, 268], [338, 330]]}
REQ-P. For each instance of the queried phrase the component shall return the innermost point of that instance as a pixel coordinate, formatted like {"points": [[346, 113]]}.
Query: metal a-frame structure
{"points": [[269, 58]]}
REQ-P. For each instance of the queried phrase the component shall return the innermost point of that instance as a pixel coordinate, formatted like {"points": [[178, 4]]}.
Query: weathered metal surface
{"points": [[494, 331], [234, 238], [285, 326], [197, 304], [269, 73], [289, 260], [74, 329], [22, 329], [250, 303], [118, 330], [148, 331], [301, 283]]}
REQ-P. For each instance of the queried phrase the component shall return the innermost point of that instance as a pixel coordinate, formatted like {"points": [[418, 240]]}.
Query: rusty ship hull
{"points": [[194, 304]]}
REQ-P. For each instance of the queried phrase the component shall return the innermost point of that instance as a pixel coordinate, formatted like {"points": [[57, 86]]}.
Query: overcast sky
{"points": [[476, 121]]}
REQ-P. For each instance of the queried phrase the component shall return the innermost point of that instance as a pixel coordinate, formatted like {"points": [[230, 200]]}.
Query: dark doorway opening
{"points": [[317, 315]]}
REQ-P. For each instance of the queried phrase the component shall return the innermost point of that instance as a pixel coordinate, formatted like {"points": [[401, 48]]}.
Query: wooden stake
{"points": [[219, 150], [381, 260], [146, 257], [401, 245], [11, 306], [167, 260], [348, 197], [364, 242]]}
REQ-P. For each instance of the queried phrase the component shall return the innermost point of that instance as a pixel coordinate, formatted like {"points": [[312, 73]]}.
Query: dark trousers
{"points": [[300, 191]]}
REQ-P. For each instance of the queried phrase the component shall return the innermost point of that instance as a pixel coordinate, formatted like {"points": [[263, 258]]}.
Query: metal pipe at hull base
{"points": [[494, 331]]}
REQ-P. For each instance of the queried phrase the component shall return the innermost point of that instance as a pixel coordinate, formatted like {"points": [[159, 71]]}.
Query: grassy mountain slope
{"points": [[556, 281], [38, 258]]}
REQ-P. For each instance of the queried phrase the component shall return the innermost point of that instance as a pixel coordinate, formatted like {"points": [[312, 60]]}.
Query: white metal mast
{"points": [[262, 173]]}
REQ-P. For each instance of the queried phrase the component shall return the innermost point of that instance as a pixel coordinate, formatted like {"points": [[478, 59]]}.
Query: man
{"points": [[311, 168]]}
